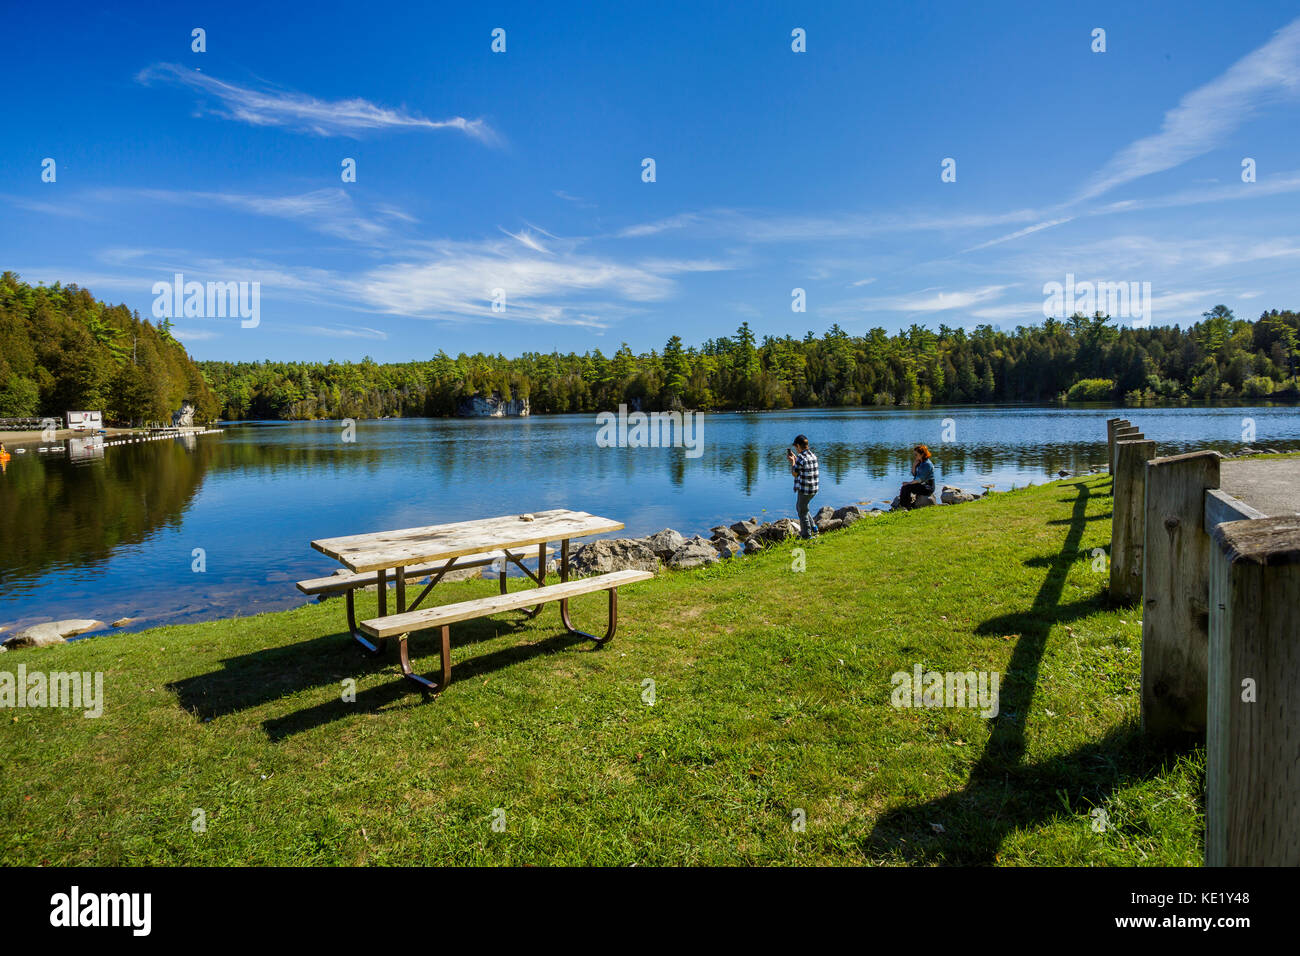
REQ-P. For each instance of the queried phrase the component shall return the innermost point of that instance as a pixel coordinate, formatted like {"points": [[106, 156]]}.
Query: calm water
{"points": [[114, 536]]}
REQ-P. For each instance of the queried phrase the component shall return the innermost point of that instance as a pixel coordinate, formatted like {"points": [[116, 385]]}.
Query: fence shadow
{"points": [[1002, 793]]}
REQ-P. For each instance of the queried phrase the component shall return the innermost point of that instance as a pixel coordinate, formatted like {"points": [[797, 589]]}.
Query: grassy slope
{"points": [[772, 695]]}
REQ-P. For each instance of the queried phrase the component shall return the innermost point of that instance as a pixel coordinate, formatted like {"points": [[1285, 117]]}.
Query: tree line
{"points": [[1077, 359], [62, 350]]}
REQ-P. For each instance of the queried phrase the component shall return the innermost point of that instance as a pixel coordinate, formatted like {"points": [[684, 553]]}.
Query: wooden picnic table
{"points": [[437, 549]]}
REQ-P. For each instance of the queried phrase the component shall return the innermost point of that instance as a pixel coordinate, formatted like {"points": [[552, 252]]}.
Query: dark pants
{"points": [[807, 527], [907, 495]]}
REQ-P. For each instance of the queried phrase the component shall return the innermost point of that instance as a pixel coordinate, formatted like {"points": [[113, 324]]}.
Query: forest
{"points": [[1220, 358], [62, 349]]}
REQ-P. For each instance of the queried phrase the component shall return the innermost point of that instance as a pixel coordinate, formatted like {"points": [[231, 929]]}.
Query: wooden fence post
{"points": [[1176, 585], [1252, 785], [1122, 433], [1127, 516], [1112, 426]]}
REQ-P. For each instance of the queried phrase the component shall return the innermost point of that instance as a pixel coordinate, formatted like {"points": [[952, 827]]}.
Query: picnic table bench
{"points": [[435, 550]]}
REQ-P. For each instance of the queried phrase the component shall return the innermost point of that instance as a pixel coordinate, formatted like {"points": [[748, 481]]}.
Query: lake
{"points": [[117, 535]]}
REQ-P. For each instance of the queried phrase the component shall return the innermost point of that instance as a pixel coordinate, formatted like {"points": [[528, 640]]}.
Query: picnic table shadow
{"points": [[260, 677], [1002, 792]]}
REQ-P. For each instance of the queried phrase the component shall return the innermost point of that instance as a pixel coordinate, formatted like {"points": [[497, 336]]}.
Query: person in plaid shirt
{"points": [[804, 468]]}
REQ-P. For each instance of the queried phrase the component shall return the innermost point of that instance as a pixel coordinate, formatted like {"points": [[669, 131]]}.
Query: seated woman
{"points": [[922, 482]]}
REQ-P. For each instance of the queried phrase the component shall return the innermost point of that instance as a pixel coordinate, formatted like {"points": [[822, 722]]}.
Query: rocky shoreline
{"points": [[671, 549]]}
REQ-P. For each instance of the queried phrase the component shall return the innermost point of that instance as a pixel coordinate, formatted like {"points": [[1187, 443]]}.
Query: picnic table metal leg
{"points": [[444, 655], [373, 648], [539, 578], [564, 604], [376, 647]]}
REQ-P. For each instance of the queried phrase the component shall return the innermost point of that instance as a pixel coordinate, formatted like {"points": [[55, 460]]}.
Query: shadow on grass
{"points": [[261, 677], [1003, 793]]}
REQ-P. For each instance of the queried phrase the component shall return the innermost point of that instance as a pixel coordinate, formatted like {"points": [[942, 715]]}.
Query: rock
{"points": [[955, 496], [493, 406], [123, 621], [614, 554], [848, 518], [51, 632], [665, 543], [729, 549], [744, 529], [921, 501], [753, 545], [695, 553], [830, 524], [848, 510], [777, 531], [725, 536], [825, 513]]}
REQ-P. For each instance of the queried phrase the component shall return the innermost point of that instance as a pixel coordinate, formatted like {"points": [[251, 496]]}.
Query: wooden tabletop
{"points": [[392, 549]]}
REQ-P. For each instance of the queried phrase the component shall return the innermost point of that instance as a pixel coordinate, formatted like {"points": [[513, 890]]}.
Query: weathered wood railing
{"points": [[1219, 587]]}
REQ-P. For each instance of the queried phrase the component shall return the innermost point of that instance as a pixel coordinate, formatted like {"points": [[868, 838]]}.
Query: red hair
{"points": [[925, 452]]}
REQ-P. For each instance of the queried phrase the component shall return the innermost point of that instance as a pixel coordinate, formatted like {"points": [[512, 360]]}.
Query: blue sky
{"points": [[522, 170]]}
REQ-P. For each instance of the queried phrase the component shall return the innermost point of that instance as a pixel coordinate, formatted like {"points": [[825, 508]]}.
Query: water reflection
{"points": [[255, 496]]}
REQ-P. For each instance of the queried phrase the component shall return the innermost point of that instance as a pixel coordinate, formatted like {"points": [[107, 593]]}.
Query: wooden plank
{"points": [[1221, 507], [1176, 591], [1112, 424], [485, 607], [1252, 780], [389, 549], [346, 582], [1126, 528], [1123, 433]]}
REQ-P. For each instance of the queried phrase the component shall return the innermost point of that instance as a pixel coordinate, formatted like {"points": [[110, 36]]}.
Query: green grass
{"points": [[772, 695]]}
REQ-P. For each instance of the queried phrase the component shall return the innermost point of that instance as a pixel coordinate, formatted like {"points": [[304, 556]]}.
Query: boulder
{"points": [[725, 536], [825, 513], [955, 496], [695, 553], [753, 544], [729, 549], [847, 510], [614, 554], [665, 543], [778, 531], [744, 529], [921, 501], [51, 632], [829, 524]]}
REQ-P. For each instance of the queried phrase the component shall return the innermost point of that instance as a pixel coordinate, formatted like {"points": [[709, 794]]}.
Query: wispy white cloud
{"points": [[304, 113], [195, 335], [1204, 117], [924, 300], [343, 331], [1019, 233], [331, 210]]}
